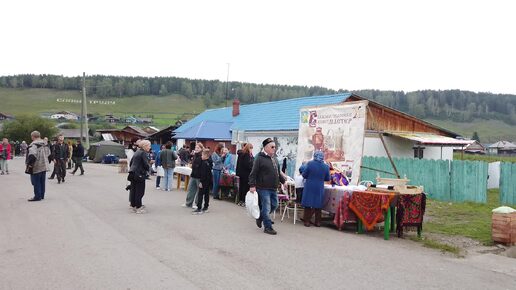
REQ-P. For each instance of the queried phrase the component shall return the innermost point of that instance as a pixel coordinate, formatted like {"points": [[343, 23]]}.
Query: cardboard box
{"points": [[503, 228]]}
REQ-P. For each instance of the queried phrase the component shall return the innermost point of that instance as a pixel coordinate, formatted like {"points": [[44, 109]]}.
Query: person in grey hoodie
{"points": [[37, 165]]}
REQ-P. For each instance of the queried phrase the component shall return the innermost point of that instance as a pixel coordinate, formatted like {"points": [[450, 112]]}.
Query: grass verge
{"points": [[445, 248], [472, 220]]}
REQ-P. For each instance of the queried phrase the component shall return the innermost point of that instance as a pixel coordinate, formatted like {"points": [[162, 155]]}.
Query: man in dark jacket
{"points": [[77, 155], [60, 158], [265, 178]]}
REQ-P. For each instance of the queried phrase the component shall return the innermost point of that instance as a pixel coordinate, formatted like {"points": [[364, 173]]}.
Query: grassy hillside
{"points": [[489, 131], [166, 110]]}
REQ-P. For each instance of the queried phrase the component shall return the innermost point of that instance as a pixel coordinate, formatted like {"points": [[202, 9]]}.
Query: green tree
{"points": [[20, 128], [163, 90], [475, 137]]}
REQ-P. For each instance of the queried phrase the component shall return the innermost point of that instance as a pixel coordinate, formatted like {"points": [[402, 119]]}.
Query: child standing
{"points": [[205, 183]]}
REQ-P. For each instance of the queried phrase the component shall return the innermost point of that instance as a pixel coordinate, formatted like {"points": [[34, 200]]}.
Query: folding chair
{"points": [[291, 202]]}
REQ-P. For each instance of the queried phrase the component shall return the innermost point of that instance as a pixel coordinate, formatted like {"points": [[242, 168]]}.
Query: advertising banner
{"points": [[337, 130]]}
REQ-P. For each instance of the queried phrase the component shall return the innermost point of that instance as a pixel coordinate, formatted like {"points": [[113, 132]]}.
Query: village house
{"points": [[5, 116], [64, 115], [127, 135], [502, 148], [404, 135]]}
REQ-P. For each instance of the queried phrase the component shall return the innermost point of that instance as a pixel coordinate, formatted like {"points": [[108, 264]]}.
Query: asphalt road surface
{"points": [[83, 236]]}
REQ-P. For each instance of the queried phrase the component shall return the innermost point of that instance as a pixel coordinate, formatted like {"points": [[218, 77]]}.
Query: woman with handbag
{"points": [[137, 175]]}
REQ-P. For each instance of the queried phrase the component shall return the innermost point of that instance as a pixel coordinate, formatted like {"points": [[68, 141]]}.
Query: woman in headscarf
{"points": [[315, 173]]}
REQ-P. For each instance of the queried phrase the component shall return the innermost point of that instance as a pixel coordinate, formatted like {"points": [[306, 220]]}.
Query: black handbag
{"points": [[29, 169]]}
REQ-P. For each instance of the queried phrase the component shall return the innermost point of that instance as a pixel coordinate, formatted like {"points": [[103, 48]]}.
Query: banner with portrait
{"points": [[338, 130]]}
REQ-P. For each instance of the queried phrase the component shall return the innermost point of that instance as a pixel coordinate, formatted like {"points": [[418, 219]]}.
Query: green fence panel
{"points": [[433, 175], [508, 183], [469, 181]]}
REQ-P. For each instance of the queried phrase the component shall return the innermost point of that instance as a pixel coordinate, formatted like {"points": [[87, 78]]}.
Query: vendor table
{"points": [[336, 202], [180, 172], [372, 207]]}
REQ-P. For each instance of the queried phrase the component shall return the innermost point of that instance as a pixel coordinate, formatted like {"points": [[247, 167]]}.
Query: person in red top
{"points": [[5, 156]]}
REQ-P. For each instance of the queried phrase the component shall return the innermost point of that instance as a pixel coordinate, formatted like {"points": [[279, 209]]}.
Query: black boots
{"points": [[307, 216], [317, 217]]}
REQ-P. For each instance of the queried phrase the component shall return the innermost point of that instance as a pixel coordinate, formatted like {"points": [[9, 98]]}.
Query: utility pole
{"points": [[227, 86], [84, 112]]}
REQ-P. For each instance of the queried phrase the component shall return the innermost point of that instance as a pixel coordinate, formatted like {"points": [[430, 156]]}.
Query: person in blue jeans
{"points": [[218, 164], [265, 177], [37, 165], [168, 162]]}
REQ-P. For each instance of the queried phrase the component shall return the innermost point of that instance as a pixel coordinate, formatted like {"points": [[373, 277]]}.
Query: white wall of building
{"points": [[494, 175], [402, 148]]}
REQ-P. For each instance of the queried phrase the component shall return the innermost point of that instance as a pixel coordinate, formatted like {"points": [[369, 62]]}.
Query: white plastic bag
{"points": [[251, 204], [160, 171]]}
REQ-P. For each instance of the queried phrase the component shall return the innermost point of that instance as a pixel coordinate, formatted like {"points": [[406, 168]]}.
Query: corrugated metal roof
{"points": [[207, 130], [503, 145], [270, 116], [431, 139]]}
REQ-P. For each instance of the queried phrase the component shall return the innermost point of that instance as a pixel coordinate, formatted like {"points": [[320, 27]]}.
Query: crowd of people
{"points": [[40, 155], [258, 173]]}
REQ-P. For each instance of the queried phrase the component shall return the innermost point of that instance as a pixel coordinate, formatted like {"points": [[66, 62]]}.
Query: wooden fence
{"points": [[508, 183], [442, 179]]}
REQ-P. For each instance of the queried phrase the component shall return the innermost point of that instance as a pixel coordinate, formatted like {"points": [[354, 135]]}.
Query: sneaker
{"points": [[197, 212], [184, 205], [157, 187], [140, 211], [205, 210], [270, 231], [194, 206]]}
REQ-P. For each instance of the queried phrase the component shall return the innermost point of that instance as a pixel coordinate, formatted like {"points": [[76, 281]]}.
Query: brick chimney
{"points": [[236, 107]]}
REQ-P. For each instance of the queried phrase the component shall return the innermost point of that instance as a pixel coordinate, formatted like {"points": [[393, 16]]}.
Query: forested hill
{"points": [[457, 105]]}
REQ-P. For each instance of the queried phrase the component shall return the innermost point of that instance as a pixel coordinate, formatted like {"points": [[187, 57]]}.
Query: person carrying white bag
{"points": [[251, 204], [264, 179]]}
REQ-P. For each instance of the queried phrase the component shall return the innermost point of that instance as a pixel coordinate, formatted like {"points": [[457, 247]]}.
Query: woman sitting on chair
{"points": [[315, 173]]}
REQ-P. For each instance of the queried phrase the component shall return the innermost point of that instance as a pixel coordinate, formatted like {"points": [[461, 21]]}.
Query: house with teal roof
{"points": [[280, 120]]}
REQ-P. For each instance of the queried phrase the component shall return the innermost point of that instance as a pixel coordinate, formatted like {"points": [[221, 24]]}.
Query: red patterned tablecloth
{"points": [[370, 206]]}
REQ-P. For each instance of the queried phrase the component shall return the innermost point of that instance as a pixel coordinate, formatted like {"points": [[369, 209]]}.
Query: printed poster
{"points": [[337, 130]]}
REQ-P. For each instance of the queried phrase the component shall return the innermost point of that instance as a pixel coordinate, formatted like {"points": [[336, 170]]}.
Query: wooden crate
{"points": [[504, 228]]}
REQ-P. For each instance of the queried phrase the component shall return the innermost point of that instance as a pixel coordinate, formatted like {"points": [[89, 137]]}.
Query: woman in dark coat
{"points": [[315, 174], [137, 175], [243, 169]]}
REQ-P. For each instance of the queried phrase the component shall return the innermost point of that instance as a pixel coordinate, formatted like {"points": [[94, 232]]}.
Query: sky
{"points": [[384, 45]]}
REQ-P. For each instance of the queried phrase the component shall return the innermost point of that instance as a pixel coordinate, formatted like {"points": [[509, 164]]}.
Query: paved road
{"points": [[82, 236]]}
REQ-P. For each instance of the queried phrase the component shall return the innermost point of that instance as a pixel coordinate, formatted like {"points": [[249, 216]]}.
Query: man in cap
{"points": [[265, 178]]}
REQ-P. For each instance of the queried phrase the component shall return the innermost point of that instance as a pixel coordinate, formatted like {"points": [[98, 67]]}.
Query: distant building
{"points": [[74, 134], [129, 134], [502, 148], [5, 116], [111, 119], [473, 148], [64, 116]]}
